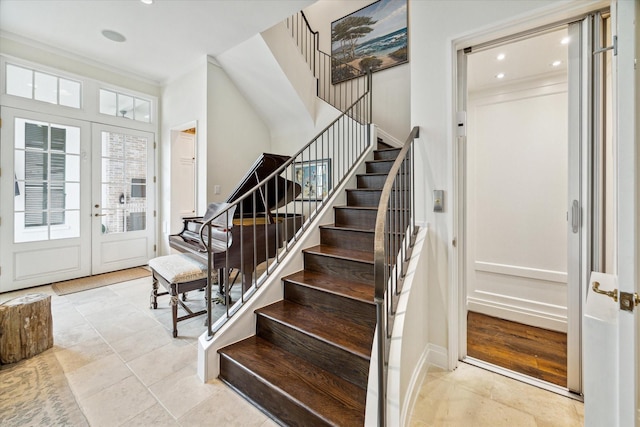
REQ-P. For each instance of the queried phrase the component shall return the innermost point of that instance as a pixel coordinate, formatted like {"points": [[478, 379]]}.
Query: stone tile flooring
{"points": [[471, 396], [124, 368]]}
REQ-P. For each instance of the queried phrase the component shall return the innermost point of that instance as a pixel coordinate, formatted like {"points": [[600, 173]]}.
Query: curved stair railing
{"points": [[394, 239]]}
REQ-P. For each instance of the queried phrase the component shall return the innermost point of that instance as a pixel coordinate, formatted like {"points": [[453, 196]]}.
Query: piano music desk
{"points": [[179, 274]]}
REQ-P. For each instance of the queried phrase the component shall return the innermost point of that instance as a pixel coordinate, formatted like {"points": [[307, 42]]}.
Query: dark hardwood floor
{"points": [[536, 352]]}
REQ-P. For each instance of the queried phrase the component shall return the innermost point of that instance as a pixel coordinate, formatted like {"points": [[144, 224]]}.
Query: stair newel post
{"points": [[370, 89], [208, 290], [382, 390]]}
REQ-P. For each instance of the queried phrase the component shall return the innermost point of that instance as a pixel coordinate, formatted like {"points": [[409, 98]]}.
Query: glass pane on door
{"points": [[46, 181], [123, 187]]}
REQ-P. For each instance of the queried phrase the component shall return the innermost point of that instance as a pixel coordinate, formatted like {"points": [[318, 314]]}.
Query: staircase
{"points": [[308, 363]]}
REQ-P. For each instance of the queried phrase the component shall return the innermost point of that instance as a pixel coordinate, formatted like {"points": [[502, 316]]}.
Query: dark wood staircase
{"points": [[308, 363]]}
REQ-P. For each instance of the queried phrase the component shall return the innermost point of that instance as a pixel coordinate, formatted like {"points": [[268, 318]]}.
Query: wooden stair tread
{"points": [[327, 327], [328, 396], [337, 252], [347, 288]]}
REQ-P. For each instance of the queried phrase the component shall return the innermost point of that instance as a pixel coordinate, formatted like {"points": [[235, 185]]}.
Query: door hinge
{"points": [[154, 214], [629, 300], [154, 179], [154, 248], [154, 145]]}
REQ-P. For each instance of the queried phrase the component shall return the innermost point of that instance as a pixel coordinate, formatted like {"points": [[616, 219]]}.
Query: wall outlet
{"points": [[216, 189]]}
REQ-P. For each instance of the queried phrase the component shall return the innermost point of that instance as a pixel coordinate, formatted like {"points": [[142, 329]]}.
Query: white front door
{"points": [[45, 162], [123, 199]]}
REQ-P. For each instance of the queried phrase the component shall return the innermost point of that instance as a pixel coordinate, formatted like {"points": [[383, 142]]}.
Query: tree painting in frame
{"points": [[315, 178], [372, 38]]}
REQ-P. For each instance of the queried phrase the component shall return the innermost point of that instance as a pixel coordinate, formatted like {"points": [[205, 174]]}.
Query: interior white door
{"points": [[45, 224], [612, 377], [183, 178], [123, 198], [626, 21]]}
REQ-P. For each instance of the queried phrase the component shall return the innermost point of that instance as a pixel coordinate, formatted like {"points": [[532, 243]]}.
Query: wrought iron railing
{"points": [[395, 232], [263, 239], [394, 237], [338, 83]]}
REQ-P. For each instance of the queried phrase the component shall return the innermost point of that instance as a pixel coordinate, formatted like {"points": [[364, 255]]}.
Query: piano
{"points": [[258, 228]]}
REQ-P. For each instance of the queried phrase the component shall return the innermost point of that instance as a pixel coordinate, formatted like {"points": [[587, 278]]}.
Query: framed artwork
{"points": [[374, 37], [315, 178]]}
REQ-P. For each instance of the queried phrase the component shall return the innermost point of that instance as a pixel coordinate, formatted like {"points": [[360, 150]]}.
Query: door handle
{"points": [[100, 215], [611, 294]]}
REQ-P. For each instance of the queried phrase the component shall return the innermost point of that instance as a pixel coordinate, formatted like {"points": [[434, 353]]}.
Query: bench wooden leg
{"points": [[154, 293], [174, 309]]}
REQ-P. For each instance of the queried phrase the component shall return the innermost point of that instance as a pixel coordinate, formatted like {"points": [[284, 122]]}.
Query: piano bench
{"points": [[179, 274]]}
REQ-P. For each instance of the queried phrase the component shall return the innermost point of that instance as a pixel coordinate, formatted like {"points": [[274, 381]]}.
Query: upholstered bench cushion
{"points": [[179, 268]]}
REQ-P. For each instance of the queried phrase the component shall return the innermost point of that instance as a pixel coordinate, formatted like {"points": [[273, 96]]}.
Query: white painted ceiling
{"points": [[526, 59], [163, 40]]}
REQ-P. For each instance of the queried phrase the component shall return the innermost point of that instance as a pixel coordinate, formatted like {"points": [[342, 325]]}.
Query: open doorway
{"points": [[535, 186], [517, 182], [183, 175]]}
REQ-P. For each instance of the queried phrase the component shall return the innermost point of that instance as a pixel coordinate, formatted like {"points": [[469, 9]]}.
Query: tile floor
{"points": [[471, 396], [124, 368]]}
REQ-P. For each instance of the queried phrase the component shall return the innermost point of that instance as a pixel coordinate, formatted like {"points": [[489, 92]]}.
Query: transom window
{"points": [[122, 105], [32, 84]]}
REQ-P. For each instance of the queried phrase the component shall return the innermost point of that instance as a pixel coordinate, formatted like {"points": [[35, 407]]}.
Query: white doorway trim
{"points": [[178, 181]]}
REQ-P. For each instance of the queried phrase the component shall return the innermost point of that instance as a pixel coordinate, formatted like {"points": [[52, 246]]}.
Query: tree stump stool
{"points": [[26, 327]]}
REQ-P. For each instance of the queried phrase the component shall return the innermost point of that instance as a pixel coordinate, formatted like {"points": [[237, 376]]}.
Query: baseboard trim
{"points": [[433, 355], [513, 313], [437, 356]]}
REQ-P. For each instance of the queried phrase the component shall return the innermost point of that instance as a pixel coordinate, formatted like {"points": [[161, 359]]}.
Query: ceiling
{"points": [[524, 59], [163, 40]]}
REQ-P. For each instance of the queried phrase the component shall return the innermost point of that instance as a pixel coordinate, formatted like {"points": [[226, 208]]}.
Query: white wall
{"points": [[391, 87], [516, 203], [183, 101], [236, 134]]}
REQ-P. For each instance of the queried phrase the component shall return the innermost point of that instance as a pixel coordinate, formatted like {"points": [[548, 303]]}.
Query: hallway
{"points": [[123, 368]]}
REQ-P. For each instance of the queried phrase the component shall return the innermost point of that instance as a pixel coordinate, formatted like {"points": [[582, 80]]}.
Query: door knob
{"points": [[100, 215], [611, 294]]}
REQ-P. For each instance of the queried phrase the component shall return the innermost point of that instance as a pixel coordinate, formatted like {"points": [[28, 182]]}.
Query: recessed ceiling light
{"points": [[556, 63], [147, 1], [113, 36], [565, 40], [501, 56], [500, 76]]}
